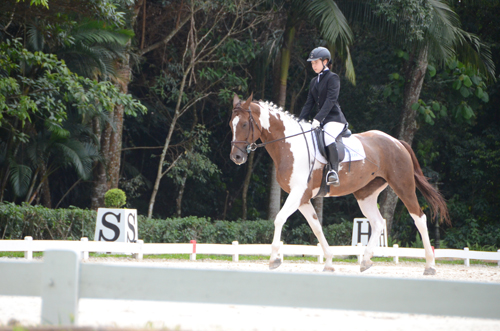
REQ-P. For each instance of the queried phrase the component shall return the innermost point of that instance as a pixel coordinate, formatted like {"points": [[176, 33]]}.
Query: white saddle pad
{"points": [[354, 150]]}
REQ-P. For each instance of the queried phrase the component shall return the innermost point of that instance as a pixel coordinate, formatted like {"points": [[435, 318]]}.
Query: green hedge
{"points": [[16, 222]]}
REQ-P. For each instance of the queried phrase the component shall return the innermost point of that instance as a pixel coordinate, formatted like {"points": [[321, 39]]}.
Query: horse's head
{"points": [[245, 129]]}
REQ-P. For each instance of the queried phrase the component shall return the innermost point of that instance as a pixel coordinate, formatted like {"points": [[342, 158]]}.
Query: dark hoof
{"points": [[329, 269], [429, 271], [274, 264], [365, 265]]}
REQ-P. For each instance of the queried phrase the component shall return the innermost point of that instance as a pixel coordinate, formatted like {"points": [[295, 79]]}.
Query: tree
{"points": [[205, 45], [424, 29], [334, 29], [91, 39], [37, 93]]}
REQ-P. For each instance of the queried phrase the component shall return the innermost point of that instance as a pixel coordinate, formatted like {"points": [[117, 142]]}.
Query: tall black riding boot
{"points": [[332, 177]]}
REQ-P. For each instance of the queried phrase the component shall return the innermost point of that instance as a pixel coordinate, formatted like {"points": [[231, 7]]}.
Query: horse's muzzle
{"points": [[238, 157]]}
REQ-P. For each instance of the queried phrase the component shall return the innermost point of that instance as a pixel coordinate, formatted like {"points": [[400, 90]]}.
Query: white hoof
{"points": [[365, 265], [429, 271], [274, 264]]}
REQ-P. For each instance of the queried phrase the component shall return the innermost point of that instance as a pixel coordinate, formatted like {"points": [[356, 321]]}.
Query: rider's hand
{"points": [[315, 124]]}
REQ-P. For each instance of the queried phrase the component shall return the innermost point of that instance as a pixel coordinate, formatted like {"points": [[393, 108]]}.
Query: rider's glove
{"points": [[315, 124]]}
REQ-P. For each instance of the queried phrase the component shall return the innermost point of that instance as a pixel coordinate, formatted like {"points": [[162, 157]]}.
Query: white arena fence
{"points": [[139, 249], [61, 280]]}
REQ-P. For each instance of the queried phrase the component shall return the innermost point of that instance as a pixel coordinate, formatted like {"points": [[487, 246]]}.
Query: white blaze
{"points": [[236, 120]]}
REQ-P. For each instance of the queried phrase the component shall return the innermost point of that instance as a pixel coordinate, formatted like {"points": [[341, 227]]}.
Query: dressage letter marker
{"points": [[362, 231], [116, 225]]}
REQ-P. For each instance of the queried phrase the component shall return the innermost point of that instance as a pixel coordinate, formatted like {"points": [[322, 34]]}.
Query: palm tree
{"points": [[44, 154], [96, 50], [333, 28], [429, 30]]}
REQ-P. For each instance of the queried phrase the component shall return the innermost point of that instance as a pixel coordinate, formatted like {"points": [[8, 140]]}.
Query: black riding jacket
{"points": [[324, 95]]}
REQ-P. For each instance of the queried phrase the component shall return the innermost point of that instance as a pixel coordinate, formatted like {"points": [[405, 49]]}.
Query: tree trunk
{"points": [[286, 49], [99, 184], [414, 78], [160, 172], [178, 201], [45, 189], [106, 174], [115, 148], [4, 181], [246, 184]]}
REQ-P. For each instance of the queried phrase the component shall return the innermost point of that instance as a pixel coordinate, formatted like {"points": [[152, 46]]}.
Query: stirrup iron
{"points": [[332, 178]]}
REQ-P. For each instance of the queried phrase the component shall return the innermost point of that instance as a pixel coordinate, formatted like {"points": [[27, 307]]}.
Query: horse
{"points": [[388, 162]]}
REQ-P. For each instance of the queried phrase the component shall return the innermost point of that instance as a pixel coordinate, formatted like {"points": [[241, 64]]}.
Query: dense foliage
{"points": [[66, 71]]}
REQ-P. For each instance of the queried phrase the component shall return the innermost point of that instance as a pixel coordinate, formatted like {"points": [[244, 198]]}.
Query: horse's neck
{"points": [[272, 129]]}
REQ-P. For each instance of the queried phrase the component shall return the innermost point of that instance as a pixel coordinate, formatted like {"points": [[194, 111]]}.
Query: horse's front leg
{"points": [[292, 203], [309, 213]]}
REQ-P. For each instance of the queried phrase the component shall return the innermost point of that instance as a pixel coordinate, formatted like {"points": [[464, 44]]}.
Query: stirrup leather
{"points": [[332, 178]]}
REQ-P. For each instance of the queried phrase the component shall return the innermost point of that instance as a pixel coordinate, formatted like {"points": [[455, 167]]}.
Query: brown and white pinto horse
{"points": [[388, 162]]}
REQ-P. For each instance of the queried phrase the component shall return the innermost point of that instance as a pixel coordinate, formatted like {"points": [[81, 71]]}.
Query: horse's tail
{"points": [[432, 195]]}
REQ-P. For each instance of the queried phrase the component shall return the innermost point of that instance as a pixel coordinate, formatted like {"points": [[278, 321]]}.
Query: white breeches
{"points": [[332, 130]]}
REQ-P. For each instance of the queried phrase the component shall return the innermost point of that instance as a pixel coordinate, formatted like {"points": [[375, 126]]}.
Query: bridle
{"points": [[250, 147]]}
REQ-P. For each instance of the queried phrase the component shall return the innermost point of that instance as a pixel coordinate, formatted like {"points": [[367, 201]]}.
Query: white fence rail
{"points": [[235, 250], [61, 280]]}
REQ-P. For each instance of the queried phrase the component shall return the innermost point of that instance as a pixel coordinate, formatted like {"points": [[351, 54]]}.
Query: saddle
{"points": [[320, 139]]}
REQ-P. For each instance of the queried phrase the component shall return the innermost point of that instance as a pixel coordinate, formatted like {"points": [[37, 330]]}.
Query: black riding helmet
{"points": [[319, 53]]}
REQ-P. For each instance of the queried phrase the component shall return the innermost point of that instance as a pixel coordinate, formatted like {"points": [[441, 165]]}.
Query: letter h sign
{"points": [[362, 231]]}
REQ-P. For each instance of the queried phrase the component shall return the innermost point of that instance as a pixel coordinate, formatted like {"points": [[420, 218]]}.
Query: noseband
{"points": [[250, 146]]}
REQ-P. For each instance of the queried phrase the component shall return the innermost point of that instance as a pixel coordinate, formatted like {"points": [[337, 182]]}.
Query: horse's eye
{"points": [[245, 125]]}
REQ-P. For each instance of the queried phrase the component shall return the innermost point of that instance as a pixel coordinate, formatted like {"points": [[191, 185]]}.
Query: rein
{"points": [[253, 146]]}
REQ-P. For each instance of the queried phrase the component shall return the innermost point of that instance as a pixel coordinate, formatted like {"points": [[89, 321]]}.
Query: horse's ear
{"points": [[246, 105], [236, 100]]}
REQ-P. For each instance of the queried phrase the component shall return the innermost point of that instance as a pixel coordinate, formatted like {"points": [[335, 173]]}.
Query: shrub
{"points": [[16, 222], [115, 198]]}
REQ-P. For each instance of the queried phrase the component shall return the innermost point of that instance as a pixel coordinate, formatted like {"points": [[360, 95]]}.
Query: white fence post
{"points": [[466, 260], [236, 256], [321, 254], [139, 255], [60, 282], [498, 251], [28, 254], [192, 256], [85, 253], [360, 256], [396, 255]]}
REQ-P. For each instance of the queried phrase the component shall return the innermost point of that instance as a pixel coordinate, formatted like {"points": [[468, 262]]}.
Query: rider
{"points": [[324, 93]]}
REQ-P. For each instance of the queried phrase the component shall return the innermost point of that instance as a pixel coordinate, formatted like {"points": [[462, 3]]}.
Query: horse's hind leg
{"points": [[409, 198], [421, 223], [367, 201], [309, 213]]}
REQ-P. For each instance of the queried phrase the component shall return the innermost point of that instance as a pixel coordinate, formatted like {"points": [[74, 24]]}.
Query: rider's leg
{"points": [[332, 177], [332, 130]]}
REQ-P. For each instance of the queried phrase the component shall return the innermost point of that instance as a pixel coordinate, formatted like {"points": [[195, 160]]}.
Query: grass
{"points": [[214, 257]]}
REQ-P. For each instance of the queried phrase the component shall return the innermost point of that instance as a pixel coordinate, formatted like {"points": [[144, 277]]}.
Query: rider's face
{"points": [[317, 65]]}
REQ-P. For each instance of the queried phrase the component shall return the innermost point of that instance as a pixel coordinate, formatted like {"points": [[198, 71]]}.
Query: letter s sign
{"points": [[111, 226], [131, 226]]}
